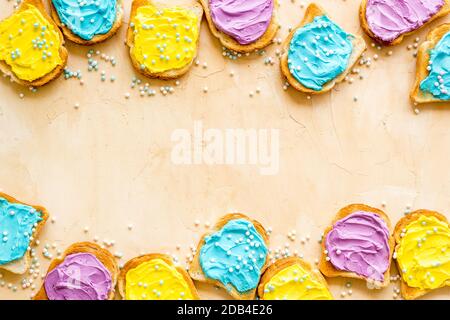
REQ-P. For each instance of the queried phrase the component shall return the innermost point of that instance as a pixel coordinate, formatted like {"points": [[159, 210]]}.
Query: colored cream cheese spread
{"points": [[438, 80], [319, 52], [87, 18], [295, 283], [389, 19], [81, 276], [423, 254], [234, 255], [243, 20], [29, 44], [156, 280], [164, 39], [17, 222], [359, 243]]}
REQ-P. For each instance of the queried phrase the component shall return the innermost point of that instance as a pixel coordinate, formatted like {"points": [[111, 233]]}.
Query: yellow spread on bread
{"points": [[29, 44], [164, 39], [295, 283], [423, 254], [156, 280]]}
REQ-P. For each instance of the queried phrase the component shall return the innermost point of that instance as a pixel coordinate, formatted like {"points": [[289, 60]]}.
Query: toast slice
{"points": [[133, 263], [168, 74], [195, 268], [329, 270], [423, 58], [56, 72], [103, 255], [364, 24], [22, 265], [97, 38], [284, 263], [407, 292], [359, 46], [231, 44]]}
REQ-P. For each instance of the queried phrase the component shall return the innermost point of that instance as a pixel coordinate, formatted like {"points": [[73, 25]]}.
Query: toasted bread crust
{"points": [[97, 38], [423, 57], [27, 256], [359, 46], [195, 269], [284, 263], [133, 263], [103, 255], [6, 69], [169, 74], [362, 18], [327, 268], [410, 293], [229, 43]]}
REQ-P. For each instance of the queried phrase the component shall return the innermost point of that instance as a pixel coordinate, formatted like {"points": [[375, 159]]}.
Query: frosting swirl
{"points": [[87, 18], [319, 52], [164, 39], [234, 255], [156, 280], [16, 227], [29, 44], [438, 80], [81, 276], [389, 19], [295, 283], [360, 243], [243, 20], [423, 254]]}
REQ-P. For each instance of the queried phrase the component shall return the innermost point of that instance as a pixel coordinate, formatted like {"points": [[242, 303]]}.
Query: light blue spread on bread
{"points": [[438, 80], [87, 18], [319, 52], [16, 227], [234, 255]]}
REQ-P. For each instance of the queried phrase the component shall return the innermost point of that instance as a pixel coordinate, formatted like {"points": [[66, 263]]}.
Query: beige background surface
{"points": [[107, 164]]}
